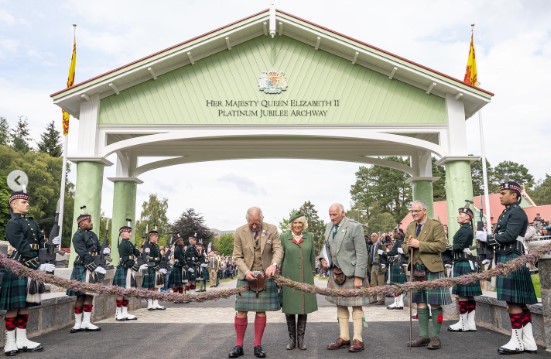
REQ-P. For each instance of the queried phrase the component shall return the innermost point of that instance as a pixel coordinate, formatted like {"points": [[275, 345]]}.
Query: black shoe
{"points": [[236, 351], [258, 352]]}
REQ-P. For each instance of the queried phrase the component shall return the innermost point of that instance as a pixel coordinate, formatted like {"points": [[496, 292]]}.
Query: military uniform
{"points": [[154, 275], [377, 265], [202, 270], [124, 275], [396, 260], [175, 280], [192, 267]]}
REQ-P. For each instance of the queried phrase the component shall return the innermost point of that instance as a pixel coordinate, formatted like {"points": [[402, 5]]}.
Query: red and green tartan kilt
{"points": [[515, 287], [469, 290], [149, 278], [436, 296], [268, 299], [175, 277], [120, 277], [348, 284], [78, 273], [13, 294], [397, 275]]}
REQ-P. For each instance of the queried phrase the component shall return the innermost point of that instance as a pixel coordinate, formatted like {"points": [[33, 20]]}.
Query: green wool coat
{"points": [[298, 264]]}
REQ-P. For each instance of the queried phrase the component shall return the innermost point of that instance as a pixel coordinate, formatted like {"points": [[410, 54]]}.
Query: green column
{"points": [[422, 191], [87, 193], [124, 206], [459, 187]]}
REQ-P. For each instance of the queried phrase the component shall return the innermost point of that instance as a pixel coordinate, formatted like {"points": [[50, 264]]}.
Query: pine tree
{"points": [[20, 136], [4, 132], [49, 142]]}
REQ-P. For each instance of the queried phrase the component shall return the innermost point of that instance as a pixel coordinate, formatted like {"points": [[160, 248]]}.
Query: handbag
{"points": [[258, 284], [338, 276]]}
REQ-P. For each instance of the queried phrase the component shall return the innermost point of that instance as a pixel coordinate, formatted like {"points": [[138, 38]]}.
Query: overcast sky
{"points": [[513, 49]]}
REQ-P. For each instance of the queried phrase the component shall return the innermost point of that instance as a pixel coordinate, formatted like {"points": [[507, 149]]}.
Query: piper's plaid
{"points": [[120, 277], [397, 275], [79, 273], [437, 296], [268, 299], [149, 278], [175, 277], [348, 284], [13, 294], [516, 287], [469, 290]]}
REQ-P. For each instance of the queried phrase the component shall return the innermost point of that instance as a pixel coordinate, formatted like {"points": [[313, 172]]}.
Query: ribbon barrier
{"points": [[500, 269]]}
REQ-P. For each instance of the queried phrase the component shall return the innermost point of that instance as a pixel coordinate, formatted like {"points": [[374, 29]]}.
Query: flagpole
{"points": [[485, 175], [65, 146]]}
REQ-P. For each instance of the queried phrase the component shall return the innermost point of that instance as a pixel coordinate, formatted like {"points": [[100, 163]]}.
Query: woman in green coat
{"points": [[298, 265]]}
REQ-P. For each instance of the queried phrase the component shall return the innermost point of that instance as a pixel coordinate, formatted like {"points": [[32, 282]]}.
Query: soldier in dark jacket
{"points": [[17, 294], [398, 262], [192, 264], [124, 275], [516, 288], [176, 277], [85, 269], [153, 276]]}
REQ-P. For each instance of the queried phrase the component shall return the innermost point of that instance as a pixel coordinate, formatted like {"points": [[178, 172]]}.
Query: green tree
{"points": [[153, 215], [4, 132], [50, 141], [191, 223], [541, 194], [20, 136], [315, 225], [382, 222], [516, 172], [224, 244], [478, 178], [438, 186]]}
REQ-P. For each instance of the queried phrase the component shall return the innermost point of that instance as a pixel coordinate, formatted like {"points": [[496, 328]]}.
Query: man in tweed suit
{"points": [[256, 248], [346, 254]]}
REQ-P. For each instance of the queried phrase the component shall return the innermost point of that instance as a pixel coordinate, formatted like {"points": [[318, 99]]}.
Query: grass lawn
{"points": [[537, 285]]}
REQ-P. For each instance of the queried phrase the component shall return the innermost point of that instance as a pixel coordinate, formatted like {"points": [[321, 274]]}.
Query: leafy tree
{"points": [[315, 225], [382, 222], [541, 194], [224, 244], [190, 223], [50, 141], [478, 178], [439, 186], [516, 172], [153, 215], [20, 136], [4, 132]]}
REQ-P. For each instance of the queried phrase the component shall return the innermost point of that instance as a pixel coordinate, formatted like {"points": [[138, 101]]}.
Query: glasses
{"points": [[416, 211]]}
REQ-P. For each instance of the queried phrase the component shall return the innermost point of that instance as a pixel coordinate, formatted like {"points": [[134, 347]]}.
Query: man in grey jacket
{"points": [[346, 255]]}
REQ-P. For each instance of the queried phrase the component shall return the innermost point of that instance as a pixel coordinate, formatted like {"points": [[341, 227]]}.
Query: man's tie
{"points": [[335, 230], [418, 229]]}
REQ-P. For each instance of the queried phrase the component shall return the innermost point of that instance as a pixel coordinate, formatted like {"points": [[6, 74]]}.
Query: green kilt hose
{"points": [[397, 275], [13, 294], [437, 296], [469, 290], [79, 273], [268, 299], [348, 284], [120, 277], [516, 287], [175, 278]]}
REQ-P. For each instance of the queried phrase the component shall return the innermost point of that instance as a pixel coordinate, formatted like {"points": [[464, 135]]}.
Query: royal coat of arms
{"points": [[272, 82]]}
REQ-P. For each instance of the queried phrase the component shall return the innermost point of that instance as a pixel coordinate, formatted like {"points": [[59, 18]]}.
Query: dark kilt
{"points": [[79, 273], [204, 274], [175, 277], [13, 294], [397, 275], [268, 299], [437, 296], [469, 290], [516, 287], [149, 278], [120, 277], [348, 284]]}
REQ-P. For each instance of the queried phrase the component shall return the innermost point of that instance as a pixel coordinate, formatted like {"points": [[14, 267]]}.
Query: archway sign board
{"points": [[299, 89]]}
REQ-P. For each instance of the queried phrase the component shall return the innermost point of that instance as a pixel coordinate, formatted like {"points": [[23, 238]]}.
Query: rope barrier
{"points": [[500, 269]]}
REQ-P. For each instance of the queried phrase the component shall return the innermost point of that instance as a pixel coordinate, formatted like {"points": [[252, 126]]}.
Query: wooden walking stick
{"points": [[410, 295]]}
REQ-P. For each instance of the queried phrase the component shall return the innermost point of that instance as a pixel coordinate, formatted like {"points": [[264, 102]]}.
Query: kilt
{"points": [[149, 278], [348, 284], [469, 290], [120, 277], [268, 299], [437, 296], [203, 274], [191, 274], [397, 275], [175, 278], [79, 273], [516, 287], [13, 294]]}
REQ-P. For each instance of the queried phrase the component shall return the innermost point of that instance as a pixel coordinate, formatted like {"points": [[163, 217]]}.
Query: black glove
{"points": [[32, 263], [135, 267], [491, 242], [91, 266]]}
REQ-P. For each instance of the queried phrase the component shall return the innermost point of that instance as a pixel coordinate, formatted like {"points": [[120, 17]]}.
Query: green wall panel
{"points": [[180, 97]]}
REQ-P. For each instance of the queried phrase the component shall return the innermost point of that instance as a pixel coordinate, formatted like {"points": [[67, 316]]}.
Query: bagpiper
{"points": [[175, 280], [398, 264], [192, 264], [125, 273], [86, 268], [515, 288], [462, 241], [203, 272], [154, 275], [19, 293]]}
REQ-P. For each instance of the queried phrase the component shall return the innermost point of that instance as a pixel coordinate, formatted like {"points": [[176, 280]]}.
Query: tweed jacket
{"points": [[433, 244], [347, 250], [243, 248]]}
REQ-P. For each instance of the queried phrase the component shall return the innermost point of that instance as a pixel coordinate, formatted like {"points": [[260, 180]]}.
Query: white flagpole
{"points": [[485, 176], [62, 190]]}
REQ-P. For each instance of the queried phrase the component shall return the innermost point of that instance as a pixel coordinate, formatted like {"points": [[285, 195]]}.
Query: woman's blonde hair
{"points": [[299, 219]]}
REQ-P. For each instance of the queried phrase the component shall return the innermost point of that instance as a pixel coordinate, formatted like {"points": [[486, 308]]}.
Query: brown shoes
{"points": [[380, 302], [434, 344], [339, 343], [420, 342], [357, 346]]}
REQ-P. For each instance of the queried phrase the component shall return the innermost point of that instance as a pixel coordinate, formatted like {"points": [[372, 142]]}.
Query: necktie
{"points": [[418, 229], [335, 230]]}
